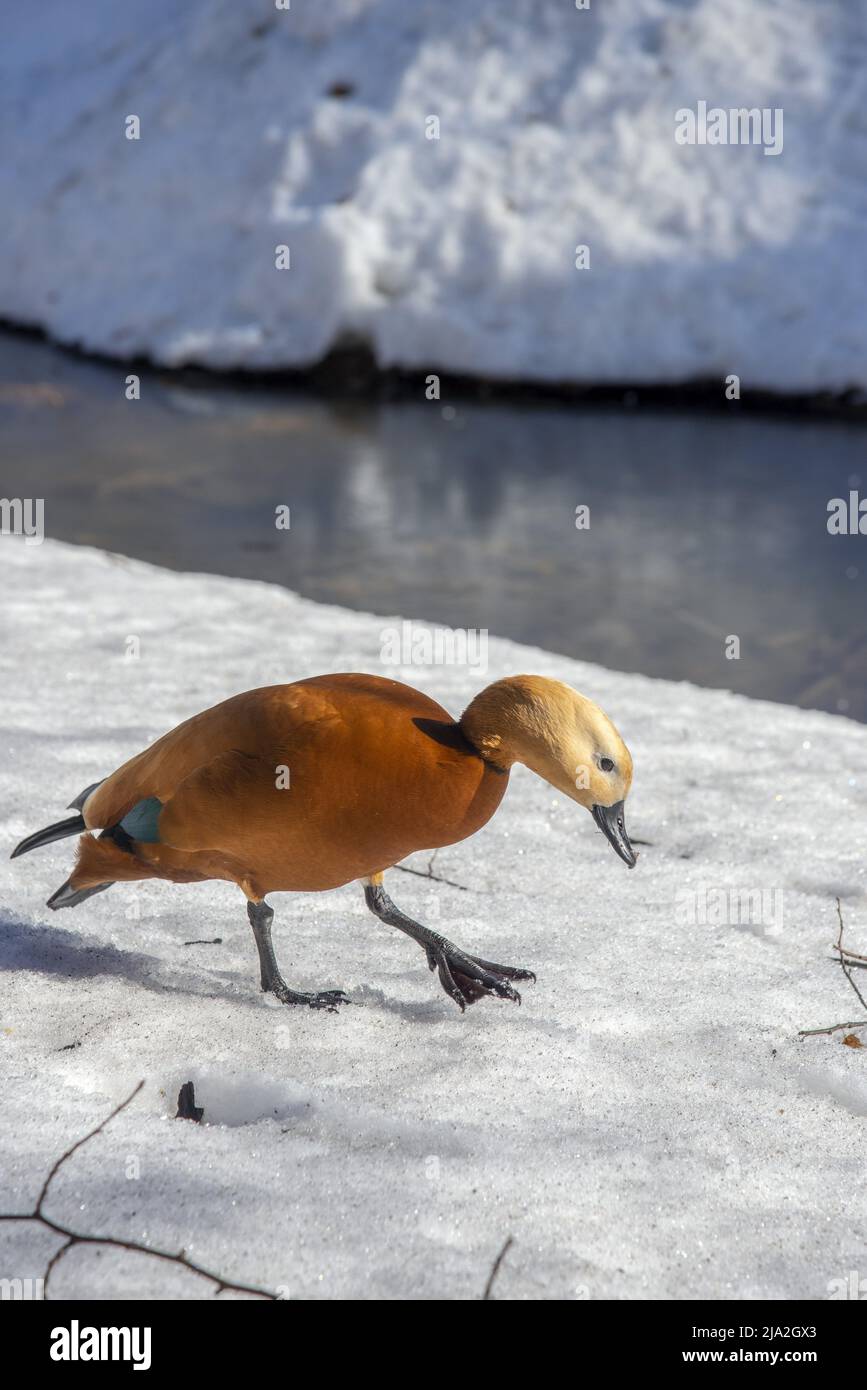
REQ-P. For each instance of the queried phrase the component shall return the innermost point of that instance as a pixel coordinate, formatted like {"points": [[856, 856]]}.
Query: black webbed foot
{"points": [[261, 917], [327, 999], [467, 979], [464, 978]]}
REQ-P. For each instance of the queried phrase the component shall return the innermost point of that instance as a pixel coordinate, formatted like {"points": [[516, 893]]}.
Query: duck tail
{"points": [[67, 896], [105, 859], [100, 862], [74, 825], [77, 803]]}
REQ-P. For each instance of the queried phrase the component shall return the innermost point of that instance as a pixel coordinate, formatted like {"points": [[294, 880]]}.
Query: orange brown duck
{"points": [[308, 786]]}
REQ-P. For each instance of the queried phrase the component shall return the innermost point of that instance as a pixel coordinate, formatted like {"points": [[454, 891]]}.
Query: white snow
{"points": [[557, 129], [647, 1124]]}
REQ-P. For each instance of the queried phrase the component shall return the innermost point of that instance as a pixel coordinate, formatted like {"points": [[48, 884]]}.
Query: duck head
{"points": [[564, 738]]}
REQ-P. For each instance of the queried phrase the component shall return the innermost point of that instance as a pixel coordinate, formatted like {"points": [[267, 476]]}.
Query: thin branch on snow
{"points": [[845, 957], [850, 955], [72, 1238], [835, 1028], [495, 1268], [843, 952], [429, 873]]}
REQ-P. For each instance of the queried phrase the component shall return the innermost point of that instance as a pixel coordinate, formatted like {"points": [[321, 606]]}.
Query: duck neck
{"points": [[488, 723]]}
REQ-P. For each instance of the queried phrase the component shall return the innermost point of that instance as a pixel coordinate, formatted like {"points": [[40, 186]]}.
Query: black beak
{"points": [[611, 823]]}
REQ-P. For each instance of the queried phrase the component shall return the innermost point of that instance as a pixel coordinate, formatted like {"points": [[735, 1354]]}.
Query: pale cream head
{"points": [[563, 737]]}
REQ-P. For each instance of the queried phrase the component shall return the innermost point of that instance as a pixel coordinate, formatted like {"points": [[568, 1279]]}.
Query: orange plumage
{"points": [[375, 771], [312, 785]]}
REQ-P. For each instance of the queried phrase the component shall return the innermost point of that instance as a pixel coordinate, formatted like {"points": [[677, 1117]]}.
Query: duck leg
{"points": [[464, 978], [261, 916]]}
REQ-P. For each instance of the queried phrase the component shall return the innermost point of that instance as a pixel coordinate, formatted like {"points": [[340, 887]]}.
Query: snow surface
{"points": [[646, 1124], [556, 129]]}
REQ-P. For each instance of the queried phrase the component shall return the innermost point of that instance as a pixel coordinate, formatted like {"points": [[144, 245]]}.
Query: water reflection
{"points": [[701, 526]]}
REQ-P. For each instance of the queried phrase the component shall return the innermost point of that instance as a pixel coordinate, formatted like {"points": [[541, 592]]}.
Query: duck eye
{"points": [[606, 764]]}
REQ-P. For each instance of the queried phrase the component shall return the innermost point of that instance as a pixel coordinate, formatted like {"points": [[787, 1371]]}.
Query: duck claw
{"points": [[511, 972], [466, 979], [327, 999]]}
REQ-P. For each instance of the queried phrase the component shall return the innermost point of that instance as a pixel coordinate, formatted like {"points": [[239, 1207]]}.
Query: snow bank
{"points": [[647, 1124], [308, 128]]}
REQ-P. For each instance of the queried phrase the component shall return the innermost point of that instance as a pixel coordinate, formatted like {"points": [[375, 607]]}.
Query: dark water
{"points": [[701, 525]]}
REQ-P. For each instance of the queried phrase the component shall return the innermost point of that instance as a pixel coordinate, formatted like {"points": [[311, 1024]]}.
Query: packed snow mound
{"points": [[647, 1124], [314, 128]]}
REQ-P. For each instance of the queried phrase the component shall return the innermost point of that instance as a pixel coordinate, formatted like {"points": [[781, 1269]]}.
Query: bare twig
{"points": [[851, 955], [429, 873], [495, 1269], [55, 1260], [843, 955], [77, 1145], [77, 1042], [72, 1238], [842, 952], [835, 1028]]}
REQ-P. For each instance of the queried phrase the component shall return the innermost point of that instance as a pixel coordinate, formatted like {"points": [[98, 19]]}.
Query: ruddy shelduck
{"points": [[312, 785]]}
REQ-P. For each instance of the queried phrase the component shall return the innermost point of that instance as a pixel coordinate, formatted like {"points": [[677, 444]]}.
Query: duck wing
{"points": [[231, 804]]}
